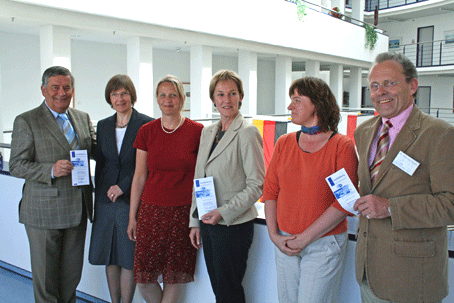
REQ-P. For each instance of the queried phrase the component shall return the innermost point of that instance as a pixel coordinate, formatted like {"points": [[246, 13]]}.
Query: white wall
{"points": [[408, 30], [441, 92], [21, 75], [286, 32], [92, 65]]}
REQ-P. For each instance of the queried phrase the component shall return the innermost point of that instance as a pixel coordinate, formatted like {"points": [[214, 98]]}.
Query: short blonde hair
{"points": [[224, 75]]}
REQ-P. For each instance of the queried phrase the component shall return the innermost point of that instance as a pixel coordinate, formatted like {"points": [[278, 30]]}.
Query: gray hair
{"points": [[56, 71], [409, 69]]}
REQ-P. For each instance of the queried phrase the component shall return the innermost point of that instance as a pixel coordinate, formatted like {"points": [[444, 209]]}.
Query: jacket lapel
{"points": [[227, 138], [111, 142], [368, 136], [53, 127], [133, 128], [403, 140]]}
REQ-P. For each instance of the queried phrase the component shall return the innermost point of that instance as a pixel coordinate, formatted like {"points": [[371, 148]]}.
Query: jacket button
{"points": [[365, 234]]}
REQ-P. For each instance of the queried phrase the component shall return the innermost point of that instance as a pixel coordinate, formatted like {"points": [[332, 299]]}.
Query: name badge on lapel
{"points": [[406, 163]]}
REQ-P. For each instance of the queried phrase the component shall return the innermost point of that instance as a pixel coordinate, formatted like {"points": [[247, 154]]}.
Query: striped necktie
{"points": [[68, 130], [382, 150]]}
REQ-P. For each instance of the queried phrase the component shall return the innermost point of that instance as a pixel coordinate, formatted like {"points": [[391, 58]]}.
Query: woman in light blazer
{"points": [[115, 164], [231, 151]]}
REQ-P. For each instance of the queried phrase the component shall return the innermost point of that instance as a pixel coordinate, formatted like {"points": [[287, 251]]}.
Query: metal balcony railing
{"points": [[384, 4], [428, 54]]}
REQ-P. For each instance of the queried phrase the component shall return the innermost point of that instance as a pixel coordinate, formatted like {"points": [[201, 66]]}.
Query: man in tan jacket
{"points": [[402, 252]]}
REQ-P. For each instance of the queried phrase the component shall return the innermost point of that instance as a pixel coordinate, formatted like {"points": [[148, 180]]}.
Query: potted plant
{"points": [[371, 36], [335, 12], [300, 10]]}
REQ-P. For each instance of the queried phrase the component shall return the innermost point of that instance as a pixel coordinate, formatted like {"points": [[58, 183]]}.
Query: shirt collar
{"points": [[52, 111], [399, 120]]}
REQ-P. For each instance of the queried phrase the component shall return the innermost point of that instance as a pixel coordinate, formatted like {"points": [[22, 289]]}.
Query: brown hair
{"points": [[321, 96], [117, 82]]}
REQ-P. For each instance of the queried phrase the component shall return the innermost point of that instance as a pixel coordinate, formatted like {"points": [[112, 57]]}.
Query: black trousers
{"points": [[226, 251]]}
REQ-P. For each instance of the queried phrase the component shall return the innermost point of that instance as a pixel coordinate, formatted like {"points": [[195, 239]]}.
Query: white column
{"points": [[55, 46], [358, 9], [140, 70], [247, 70], [355, 87], [336, 81], [201, 73], [312, 68], [283, 82]]}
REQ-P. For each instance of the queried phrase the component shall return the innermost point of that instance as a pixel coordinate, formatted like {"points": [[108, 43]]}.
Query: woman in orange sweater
{"points": [[305, 222]]}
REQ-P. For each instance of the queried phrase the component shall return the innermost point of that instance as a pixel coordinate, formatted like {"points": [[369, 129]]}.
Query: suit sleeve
{"points": [[99, 156], [22, 161], [94, 141], [435, 208], [251, 145]]}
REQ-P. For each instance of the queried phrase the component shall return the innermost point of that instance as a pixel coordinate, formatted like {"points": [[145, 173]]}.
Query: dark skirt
{"points": [[164, 253], [110, 244]]}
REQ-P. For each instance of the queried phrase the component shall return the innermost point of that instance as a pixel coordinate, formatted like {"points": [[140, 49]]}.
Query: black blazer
{"points": [[113, 168]]}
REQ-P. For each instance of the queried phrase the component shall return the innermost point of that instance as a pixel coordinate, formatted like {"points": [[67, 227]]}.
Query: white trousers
{"points": [[313, 276]]}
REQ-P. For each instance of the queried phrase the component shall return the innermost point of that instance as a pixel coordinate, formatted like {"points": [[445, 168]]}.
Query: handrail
{"points": [[428, 53], [342, 17], [385, 4]]}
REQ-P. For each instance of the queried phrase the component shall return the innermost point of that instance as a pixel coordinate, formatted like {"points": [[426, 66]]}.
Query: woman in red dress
{"points": [[161, 196]]}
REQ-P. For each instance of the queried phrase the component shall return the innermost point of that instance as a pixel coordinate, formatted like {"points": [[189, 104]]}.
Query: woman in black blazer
{"points": [[115, 165]]}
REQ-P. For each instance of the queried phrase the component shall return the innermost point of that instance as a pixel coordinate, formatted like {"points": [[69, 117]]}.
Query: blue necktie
{"points": [[68, 130]]}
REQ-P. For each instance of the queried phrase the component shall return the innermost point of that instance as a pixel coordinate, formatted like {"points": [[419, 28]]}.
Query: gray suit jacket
{"points": [[237, 166], [37, 143], [405, 257]]}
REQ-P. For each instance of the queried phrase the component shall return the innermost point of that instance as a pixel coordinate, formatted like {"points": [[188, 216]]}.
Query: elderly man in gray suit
{"points": [[406, 173], [53, 211]]}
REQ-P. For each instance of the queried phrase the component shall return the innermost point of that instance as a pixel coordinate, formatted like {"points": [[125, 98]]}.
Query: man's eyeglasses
{"points": [[387, 84]]}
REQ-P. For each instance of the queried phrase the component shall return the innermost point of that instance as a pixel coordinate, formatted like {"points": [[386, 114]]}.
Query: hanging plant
{"points": [[300, 10], [371, 36]]}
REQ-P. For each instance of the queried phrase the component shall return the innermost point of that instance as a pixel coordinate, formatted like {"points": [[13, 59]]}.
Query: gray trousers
{"points": [[57, 257]]}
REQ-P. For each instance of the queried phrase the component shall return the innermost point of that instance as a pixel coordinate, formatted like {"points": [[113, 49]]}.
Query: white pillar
{"points": [[355, 87], [140, 70], [201, 74], [283, 82], [247, 70], [358, 10], [55, 46], [313, 68], [336, 81]]}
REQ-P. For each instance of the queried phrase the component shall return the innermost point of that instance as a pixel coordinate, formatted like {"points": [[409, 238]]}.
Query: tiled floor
{"points": [[16, 287]]}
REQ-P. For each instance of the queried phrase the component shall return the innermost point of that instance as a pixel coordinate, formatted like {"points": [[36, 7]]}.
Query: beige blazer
{"points": [[405, 257], [237, 166], [37, 143]]}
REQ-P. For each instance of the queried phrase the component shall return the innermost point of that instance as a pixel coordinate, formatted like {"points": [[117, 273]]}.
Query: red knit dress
{"points": [[163, 250]]}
